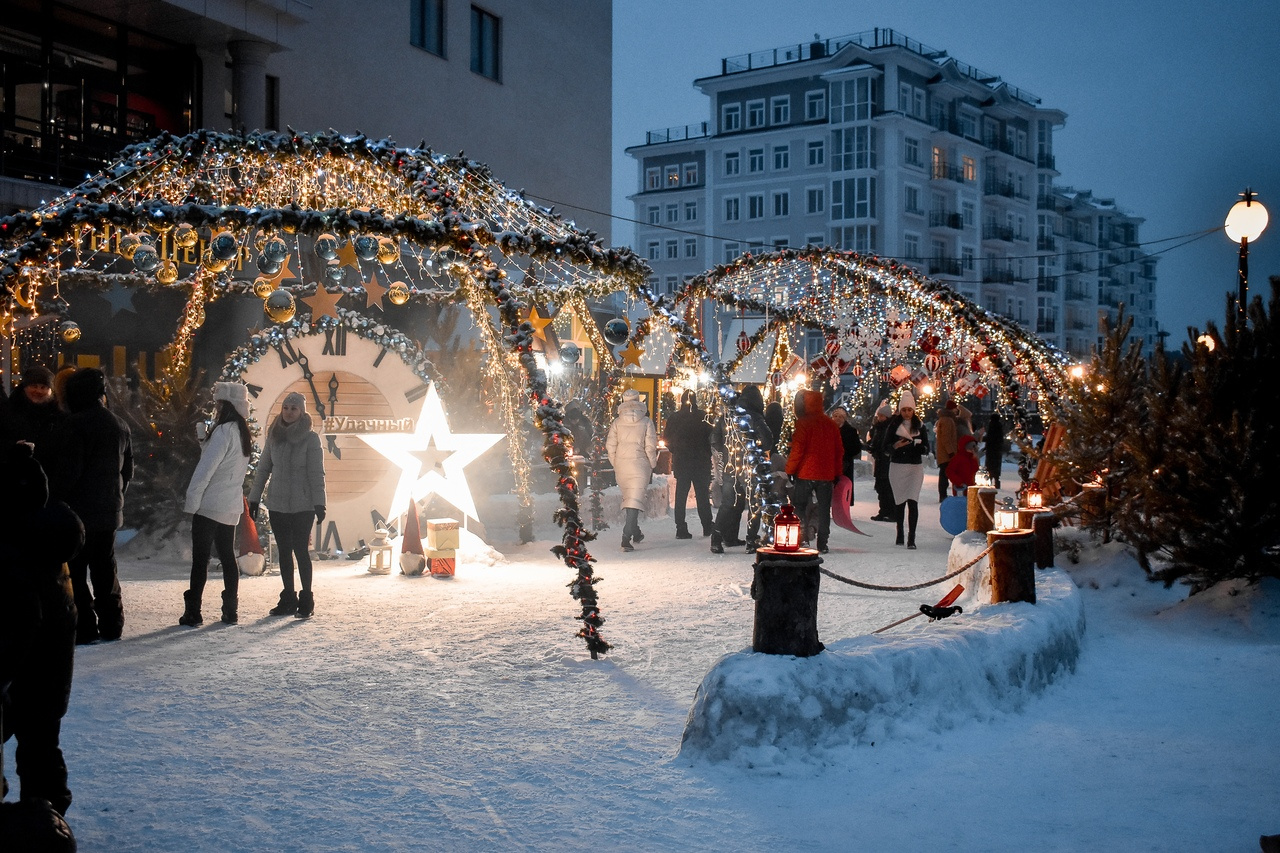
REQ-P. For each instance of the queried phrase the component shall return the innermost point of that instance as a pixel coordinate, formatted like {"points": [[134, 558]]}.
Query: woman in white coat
{"points": [[633, 451], [215, 499]]}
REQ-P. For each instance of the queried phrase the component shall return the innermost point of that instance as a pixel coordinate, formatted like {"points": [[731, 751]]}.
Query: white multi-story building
{"points": [[877, 143]]}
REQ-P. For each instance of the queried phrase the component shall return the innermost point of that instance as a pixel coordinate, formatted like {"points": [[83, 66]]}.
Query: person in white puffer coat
{"points": [[215, 499], [632, 446]]}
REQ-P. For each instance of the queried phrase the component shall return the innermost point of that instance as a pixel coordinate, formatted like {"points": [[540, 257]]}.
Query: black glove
{"points": [[253, 510], [319, 512]]}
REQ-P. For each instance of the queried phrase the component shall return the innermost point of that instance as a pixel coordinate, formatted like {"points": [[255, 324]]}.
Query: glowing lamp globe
{"points": [[786, 529], [1006, 517], [1246, 220], [1035, 497]]}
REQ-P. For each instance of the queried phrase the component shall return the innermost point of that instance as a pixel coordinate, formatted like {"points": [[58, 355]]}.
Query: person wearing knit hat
{"points": [[880, 460], [632, 445], [906, 443], [293, 461], [96, 469], [35, 416], [215, 499]]}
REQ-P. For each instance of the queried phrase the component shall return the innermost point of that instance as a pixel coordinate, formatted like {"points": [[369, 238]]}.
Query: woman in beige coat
{"points": [[633, 451]]}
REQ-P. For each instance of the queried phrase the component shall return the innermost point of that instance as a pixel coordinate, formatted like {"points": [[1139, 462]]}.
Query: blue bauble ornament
{"points": [[570, 353], [224, 246], [366, 247], [145, 258], [616, 332], [326, 247], [275, 251]]}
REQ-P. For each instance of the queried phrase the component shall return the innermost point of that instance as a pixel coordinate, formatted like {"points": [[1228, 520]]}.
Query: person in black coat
{"points": [[907, 443], [37, 624], [994, 451], [736, 483], [875, 441], [35, 416], [95, 470], [688, 437], [851, 442]]}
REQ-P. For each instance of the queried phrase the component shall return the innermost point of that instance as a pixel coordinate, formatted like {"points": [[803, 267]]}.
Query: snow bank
{"points": [[758, 710]]}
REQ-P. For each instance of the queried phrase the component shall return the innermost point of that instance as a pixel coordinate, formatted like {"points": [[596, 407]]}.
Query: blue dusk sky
{"points": [[1171, 106]]}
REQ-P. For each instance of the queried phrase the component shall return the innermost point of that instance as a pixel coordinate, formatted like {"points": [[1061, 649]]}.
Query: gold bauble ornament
{"points": [[398, 293], [262, 287], [388, 250], [69, 331], [129, 244], [279, 306], [209, 262], [167, 272], [185, 236]]}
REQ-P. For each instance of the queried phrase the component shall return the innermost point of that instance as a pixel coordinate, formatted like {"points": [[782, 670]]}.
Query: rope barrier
{"points": [[880, 588]]}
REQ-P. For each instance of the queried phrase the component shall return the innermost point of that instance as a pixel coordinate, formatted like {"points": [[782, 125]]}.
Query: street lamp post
{"points": [[1246, 221]]}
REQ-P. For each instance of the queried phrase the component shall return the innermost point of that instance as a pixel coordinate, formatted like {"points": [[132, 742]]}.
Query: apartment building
{"points": [[877, 143]]}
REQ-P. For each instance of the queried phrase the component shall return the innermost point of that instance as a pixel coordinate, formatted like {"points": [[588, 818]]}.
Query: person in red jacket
{"points": [[815, 461]]}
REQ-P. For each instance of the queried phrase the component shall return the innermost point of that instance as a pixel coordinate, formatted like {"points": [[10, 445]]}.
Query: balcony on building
{"points": [[946, 219], [944, 266], [997, 232], [1046, 243], [677, 134]]}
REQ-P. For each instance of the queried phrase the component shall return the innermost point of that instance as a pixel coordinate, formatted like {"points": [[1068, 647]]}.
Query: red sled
{"points": [[840, 505]]}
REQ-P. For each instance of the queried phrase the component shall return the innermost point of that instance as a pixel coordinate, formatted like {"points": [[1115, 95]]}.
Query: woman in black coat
{"points": [[906, 443], [688, 437]]}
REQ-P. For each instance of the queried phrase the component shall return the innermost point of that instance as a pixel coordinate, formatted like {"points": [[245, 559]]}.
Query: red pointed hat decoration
{"points": [[412, 532]]}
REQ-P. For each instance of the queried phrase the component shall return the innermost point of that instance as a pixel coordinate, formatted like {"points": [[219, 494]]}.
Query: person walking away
{"points": [[215, 500], [817, 455], [632, 447], [907, 444], [945, 444], [293, 460], [851, 442], [880, 462], [994, 450], [739, 473], [964, 465], [96, 468], [688, 437], [36, 417], [37, 625]]}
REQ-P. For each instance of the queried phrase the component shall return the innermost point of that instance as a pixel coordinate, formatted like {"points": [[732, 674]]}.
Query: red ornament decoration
{"points": [[932, 362], [744, 342]]}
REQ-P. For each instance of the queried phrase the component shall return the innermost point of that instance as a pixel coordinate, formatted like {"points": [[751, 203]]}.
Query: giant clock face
{"points": [[353, 386]]}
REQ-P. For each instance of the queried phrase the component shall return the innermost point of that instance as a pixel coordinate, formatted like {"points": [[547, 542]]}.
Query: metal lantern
{"points": [[1035, 497], [1006, 517], [380, 552], [983, 478], [786, 529]]}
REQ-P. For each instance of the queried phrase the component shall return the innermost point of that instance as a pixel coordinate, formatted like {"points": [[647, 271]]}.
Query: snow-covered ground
{"points": [[424, 714]]}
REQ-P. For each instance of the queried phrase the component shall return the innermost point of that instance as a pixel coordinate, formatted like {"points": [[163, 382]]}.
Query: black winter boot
{"points": [[229, 605], [288, 604], [306, 604], [717, 543], [191, 615], [898, 541], [682, 531], [626, 542]]}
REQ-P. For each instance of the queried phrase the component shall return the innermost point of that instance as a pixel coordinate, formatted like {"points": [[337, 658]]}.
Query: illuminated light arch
{"points": [[354, 220]]}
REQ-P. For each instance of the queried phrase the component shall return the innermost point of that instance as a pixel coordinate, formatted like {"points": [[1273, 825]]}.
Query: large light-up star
{"points": [[431, 458]]}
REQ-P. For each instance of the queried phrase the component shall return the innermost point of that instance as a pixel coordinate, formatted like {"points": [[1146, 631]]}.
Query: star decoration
{"points": [[539, 324], [323, 302], [373, 293], [281, 274], [347, 256], [121, 298], [431, 459], [631, 354]]}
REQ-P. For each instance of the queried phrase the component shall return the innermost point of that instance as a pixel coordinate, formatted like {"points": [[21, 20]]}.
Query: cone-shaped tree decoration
{"points": [[412, 557], [250, 559]]}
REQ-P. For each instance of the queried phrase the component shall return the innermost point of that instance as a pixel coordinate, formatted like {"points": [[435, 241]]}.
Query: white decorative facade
{"points": [[877, 143]]}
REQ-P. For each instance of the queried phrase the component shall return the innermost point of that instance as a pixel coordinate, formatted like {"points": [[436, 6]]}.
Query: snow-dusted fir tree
{"points": [[1221, 512], [1156, 463], [1102, 416]]}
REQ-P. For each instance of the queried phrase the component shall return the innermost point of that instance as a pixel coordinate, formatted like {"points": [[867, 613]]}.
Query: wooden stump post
{"points": [[982, 508], [785, 589], [1042, 527], [1013, 558]]}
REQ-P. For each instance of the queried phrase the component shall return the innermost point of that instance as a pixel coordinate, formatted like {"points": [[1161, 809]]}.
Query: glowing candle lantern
{"points": [[983, 478], [1035, 498], [1006, 516], [786, 529]]}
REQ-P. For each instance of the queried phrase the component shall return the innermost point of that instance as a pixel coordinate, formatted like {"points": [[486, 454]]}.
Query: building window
{"points": [[852, 100], [911, 152], [967, 258], [968, 214], [911, 101], [853, 148], [814, 240], [690, 174], [690, 211], [817, 151], [273, 103], [911, 199], [653, 179], [755, 206], [654, 215], [426, 25], [782, 203], [781, 109], [970, 167], [968, 125], [781, 158], [911, 247], [781, 242], [673, 250], [732, 209], [853, 198], [673, 283], [486, 44], [654, 250], [730, 118], [732, 251], [815, 105], [673, 213], [755, 160], [815, 200], [732, 163], [858, 238], [755, 113], [691, 247]]}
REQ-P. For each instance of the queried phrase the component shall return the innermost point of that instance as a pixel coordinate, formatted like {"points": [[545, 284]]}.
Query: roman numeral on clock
{"points": [[335, 341], [287, 354], [416, 393]]}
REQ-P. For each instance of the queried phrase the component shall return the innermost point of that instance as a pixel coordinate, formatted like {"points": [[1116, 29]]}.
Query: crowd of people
{"points": [[818, 468]]}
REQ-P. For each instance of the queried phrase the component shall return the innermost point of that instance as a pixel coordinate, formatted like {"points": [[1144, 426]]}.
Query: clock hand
{"points": [[333, 410], [332, 440]]}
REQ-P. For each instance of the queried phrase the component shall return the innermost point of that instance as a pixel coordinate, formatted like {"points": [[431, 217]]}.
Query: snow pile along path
{"points": [[759, 710]]}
